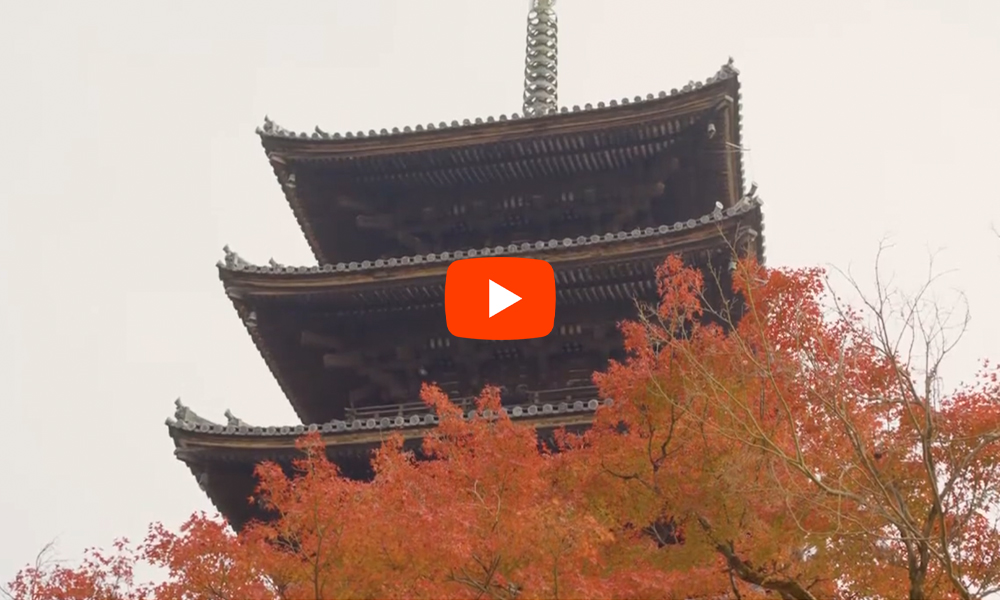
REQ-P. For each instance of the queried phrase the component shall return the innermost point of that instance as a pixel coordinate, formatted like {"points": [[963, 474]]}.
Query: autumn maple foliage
{"points": [[802, 443], [773, 445], [480, 518]]}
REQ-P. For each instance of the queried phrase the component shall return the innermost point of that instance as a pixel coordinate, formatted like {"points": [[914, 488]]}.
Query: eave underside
{"points": [[694, 98], [223, 459], [244, 280], [331, 182], [348, 340]]}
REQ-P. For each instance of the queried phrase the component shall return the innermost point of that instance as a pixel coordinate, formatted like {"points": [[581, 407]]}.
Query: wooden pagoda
{"points": [[603, 192]]}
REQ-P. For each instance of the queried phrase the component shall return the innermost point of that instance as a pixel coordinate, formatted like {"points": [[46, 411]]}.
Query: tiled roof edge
{"points": [[234, 262], [273, 130], [200, 425]]}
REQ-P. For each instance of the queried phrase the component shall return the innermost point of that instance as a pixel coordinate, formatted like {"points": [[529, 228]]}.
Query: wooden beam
{"points": [[359, 360], [389, 224], [543, 364], [732, 158], [431, 214], [408, 338], [353, 359], [343, 360], [351, 203], [381, 222], [406, 353], [412, 242], [312, 339]]}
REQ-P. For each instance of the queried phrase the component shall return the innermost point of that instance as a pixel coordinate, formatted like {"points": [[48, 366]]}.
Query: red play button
{"points": [[500, 298]]}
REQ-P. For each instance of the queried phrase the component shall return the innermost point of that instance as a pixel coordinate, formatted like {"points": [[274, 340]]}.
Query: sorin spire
{"points": [[540, 94]]}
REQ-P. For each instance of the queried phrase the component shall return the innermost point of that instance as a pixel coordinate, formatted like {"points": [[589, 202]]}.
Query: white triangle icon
{"points": [[501, 298]]}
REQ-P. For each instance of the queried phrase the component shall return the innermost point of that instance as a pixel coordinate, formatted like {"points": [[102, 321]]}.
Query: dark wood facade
{"points": [[603, 193], [639, 163], [222, 457], [359, 338]]}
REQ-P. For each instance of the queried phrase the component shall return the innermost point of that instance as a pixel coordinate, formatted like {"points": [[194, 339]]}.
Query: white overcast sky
{"points": [[128, 159]]}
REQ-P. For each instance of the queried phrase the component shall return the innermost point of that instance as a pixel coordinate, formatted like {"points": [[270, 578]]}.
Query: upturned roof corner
{"points": [[271, 129]]}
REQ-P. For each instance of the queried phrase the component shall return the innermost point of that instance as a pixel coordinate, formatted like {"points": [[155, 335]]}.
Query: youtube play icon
{"points": [[500, 298]]}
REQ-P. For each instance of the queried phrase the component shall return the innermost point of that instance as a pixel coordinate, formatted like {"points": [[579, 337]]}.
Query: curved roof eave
{"points": [[278, 140], [235, 266], [283, 437]]}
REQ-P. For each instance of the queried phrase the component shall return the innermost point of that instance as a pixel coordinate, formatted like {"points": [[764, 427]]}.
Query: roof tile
{"points": [[234, 262], [272, 129], [191, 422]]}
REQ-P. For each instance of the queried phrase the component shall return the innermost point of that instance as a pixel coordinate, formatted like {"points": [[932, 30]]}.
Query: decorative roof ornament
{"points": [[730, 68], [541, 60], [271, 128], [387, 423], [183, 414], [745, 205], [234, 421], [269, 125], [232, 260], [749, 200]]}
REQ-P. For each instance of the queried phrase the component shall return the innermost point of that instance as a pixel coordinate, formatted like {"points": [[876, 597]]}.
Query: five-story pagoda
{"points": [[603, 192]]}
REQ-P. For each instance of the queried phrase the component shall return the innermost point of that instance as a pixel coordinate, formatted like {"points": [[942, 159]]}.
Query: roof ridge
{"points": [[372, 423], [271, 129], [234, 262]]}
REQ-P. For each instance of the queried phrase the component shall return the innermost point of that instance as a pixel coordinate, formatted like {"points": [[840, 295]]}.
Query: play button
{"points": [[477, 307], [501, 298]]}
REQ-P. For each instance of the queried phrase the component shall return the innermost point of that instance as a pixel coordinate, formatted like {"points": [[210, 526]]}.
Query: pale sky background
{"points": [[129, 159]]}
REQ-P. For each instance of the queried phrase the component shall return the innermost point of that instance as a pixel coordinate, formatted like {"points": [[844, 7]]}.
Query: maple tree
{"points": [[776, 444], [803, 443], [480, 516]]}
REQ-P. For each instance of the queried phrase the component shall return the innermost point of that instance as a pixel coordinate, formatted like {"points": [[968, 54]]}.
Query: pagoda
{"points": [[602, 192]]}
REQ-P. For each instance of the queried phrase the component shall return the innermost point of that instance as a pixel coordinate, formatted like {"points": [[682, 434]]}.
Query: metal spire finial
{"points": [[540, 94]]}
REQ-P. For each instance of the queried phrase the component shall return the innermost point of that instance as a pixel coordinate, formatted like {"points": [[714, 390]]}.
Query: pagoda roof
{"points": [[316, 168], [235, 270], [318, 144], [188, 427], [607, 268], [222, 457]]}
